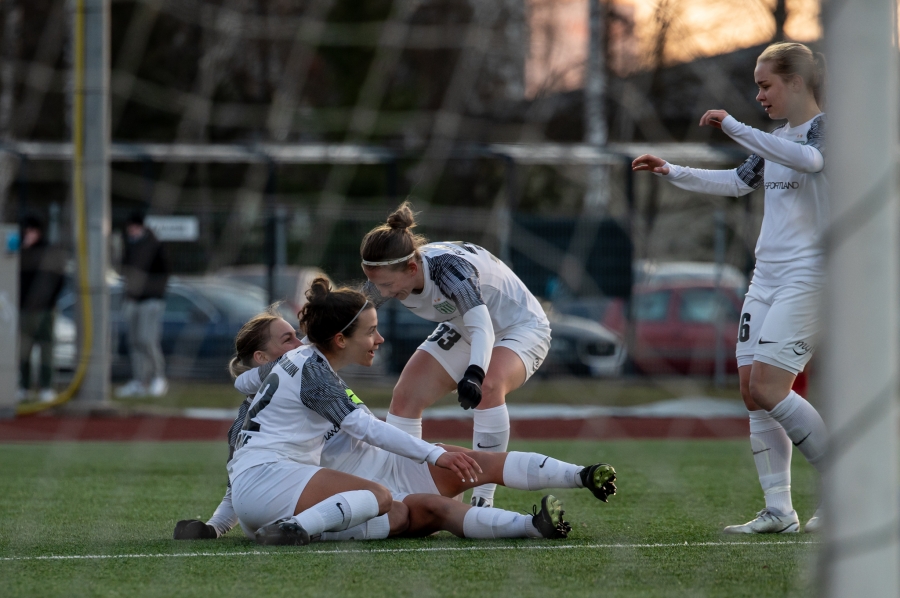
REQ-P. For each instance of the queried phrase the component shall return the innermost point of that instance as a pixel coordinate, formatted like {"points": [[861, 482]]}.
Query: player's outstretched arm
{"points": [[713, 182], [651, 163]]}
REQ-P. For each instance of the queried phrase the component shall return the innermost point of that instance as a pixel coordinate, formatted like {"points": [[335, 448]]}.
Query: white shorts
{"points": [[266, 493], [779, 325], [450, 346], [404, 476]]}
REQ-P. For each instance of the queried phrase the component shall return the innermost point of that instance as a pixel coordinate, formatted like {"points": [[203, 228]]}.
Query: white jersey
{"points": [[789, 163], [340, 451], [302, 403], [459, 278]]}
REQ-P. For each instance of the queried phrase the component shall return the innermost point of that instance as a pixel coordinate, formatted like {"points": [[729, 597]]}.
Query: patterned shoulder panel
{"points": [[815, 137], [322, 391], [456, 278], [266, 368], [238, 424], [371, 292], [752, 170]]}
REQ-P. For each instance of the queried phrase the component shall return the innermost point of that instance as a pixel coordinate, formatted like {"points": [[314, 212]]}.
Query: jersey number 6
{"points": [[744, 331], [449, 335]]}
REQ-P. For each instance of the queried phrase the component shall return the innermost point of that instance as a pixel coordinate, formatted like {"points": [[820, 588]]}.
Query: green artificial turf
{"points": [[659, 537]]}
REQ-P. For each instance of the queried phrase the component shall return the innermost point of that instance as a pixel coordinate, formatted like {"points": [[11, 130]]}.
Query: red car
{"points": [[676, 326]]}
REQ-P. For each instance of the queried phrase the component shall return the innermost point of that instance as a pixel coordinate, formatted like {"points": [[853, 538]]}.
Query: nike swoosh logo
{"points": [[492, 446], [341, 510], [758, 452], [762, 342], [542, 464], [801, 440], [510, 339]]}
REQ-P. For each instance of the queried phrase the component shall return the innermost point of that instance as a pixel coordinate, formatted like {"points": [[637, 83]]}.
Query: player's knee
{"points": [[762, 394], [493, 390], [403, 402], [384, 497], [398, 518]]}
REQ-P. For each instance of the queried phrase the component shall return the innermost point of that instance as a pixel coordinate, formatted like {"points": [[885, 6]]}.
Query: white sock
{"points": [[224, 518], [804, 426], [533, 471], [487, 524], [339, 512], [376, 528], [491, 434], [412, 426], [772, 455]]}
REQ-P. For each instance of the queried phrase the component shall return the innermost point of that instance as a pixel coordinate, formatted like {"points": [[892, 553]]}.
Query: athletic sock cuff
{"points": [[493, 420], [761, 421], [412, 426], [787, 406]]}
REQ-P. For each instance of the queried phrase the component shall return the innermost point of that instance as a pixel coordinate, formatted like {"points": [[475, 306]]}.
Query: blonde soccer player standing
{"points": [[780, 319], [492, 333]]}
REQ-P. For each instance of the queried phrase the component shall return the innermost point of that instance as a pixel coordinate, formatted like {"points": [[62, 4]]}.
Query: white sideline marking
{"points": [[395, 550]]}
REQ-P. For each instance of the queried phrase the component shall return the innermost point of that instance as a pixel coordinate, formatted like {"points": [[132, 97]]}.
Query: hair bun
{"points": [[402, 218], [318, 290]]}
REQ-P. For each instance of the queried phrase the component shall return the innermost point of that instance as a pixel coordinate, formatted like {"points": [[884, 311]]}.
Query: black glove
{"points": [[192, 529], [469, 388]]}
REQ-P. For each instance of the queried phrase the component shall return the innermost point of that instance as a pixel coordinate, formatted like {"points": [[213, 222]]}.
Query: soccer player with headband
{"points": [[492, 333], [780, 319]]}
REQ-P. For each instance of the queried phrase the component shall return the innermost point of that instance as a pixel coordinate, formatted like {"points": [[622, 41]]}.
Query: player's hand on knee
{"points": [[651, 163], [469, 388], [461, 464], [713, 118]]}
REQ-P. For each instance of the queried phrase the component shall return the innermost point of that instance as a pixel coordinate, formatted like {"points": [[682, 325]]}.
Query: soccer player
{"points": [[275, 472], [491, 337], [779, 319], [263, 339]]}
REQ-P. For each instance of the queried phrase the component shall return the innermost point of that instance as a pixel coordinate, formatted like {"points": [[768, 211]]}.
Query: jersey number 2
{"points": [[445, 337], [270, 385]]}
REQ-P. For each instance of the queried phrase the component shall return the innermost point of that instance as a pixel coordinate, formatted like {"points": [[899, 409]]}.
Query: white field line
{"points": [[399, 550]]}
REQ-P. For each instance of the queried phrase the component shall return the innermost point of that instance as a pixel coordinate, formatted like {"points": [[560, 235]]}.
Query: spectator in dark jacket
{"points": [[146, 273], [41, 277]]}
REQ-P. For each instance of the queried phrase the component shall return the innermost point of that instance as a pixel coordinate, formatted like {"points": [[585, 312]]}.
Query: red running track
{"points": [[134, 428]]}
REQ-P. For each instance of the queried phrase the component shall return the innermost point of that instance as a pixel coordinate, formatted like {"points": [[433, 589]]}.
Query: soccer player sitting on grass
{"points": [[342, 449]]}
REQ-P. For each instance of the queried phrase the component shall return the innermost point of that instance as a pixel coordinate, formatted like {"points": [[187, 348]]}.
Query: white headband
{"points": [[353, 320], [389, 262]]}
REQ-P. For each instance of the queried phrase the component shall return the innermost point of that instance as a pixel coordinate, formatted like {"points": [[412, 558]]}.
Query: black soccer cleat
{"points": [[599, 478], [284, 532], [194, 529], [549, 520]]}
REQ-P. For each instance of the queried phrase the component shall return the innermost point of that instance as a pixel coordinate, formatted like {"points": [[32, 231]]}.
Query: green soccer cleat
{"points": [[284, 532], [194, 529], [599, 480], [549, 520]]}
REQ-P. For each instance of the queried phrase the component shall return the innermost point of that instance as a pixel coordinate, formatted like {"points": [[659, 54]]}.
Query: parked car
{"points": [[579, 346], [676, 326], [677, 310], [291, 283], [582, 347], [201, 319]]}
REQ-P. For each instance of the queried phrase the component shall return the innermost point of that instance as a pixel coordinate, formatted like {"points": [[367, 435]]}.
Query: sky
{"points": [[696, 28]]}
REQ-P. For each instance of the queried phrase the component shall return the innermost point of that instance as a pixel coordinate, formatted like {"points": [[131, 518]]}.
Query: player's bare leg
{"points": [[422, 382], [429, 513]]}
